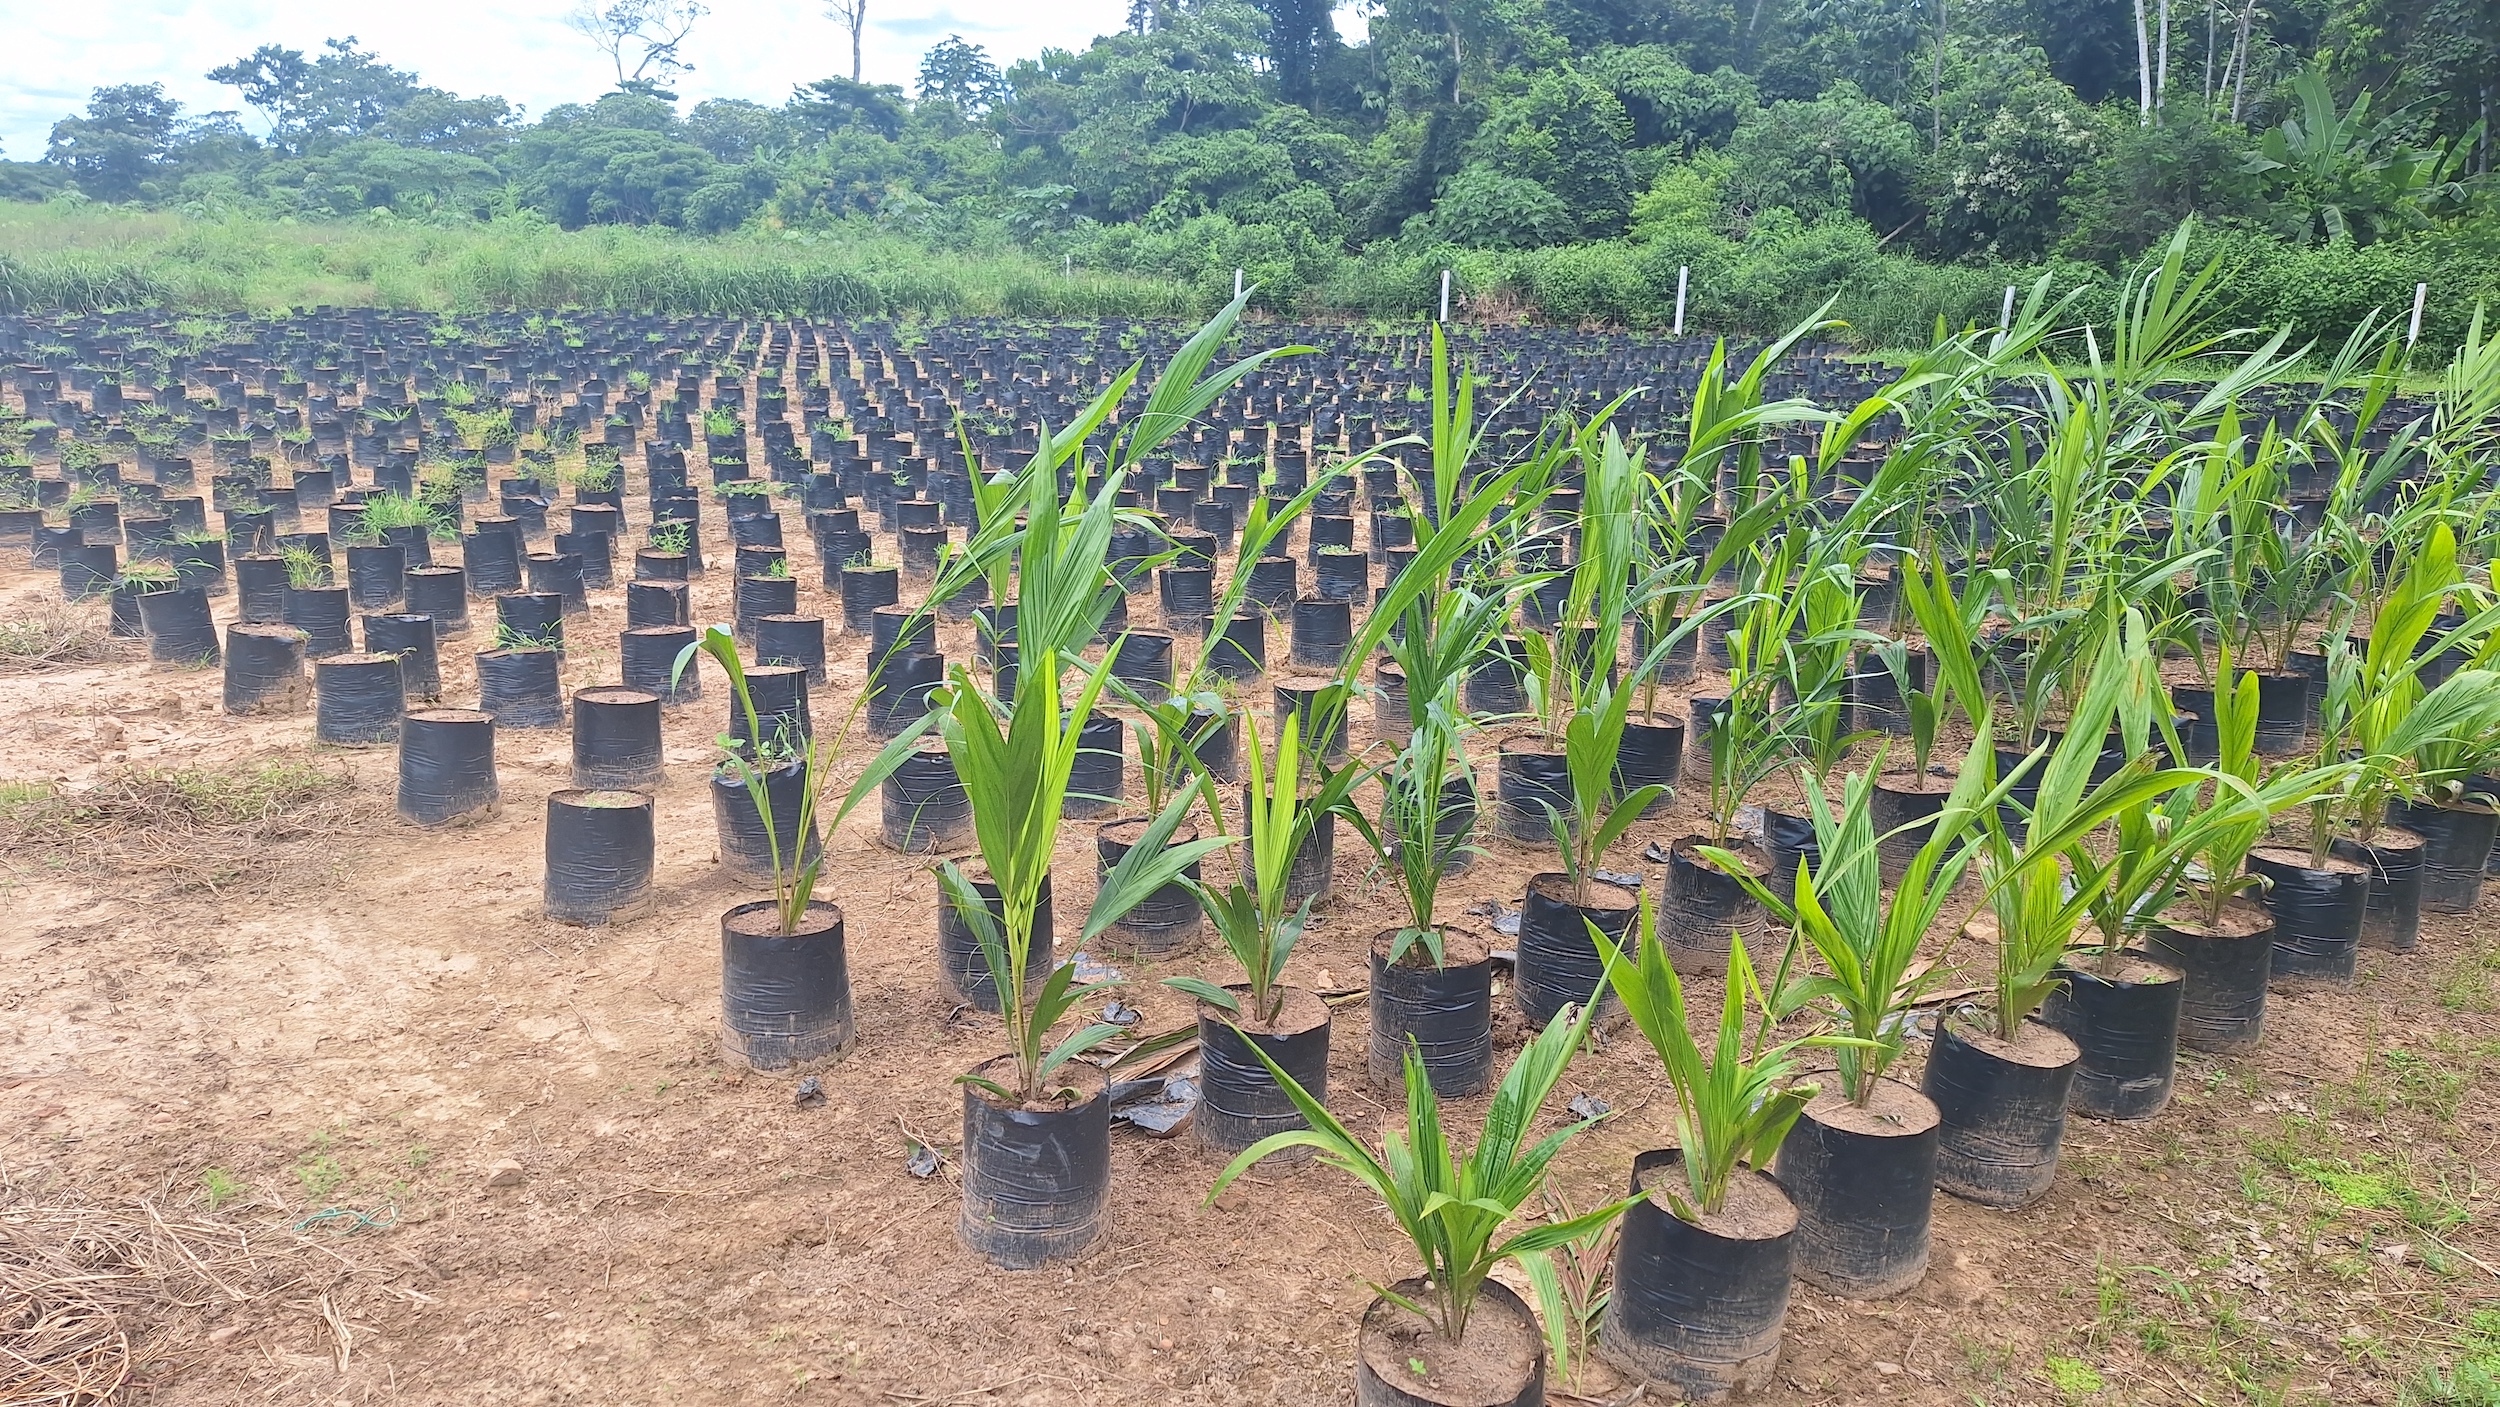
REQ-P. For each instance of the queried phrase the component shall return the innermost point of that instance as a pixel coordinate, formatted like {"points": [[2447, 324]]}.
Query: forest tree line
{"points": [[1575, 151]]}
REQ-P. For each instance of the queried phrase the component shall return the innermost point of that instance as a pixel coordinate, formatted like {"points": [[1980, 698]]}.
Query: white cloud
{"points": [[756, 49]]}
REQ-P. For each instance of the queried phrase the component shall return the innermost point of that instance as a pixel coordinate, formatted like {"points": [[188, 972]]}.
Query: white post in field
{"points": [[1445, 295], [1683, 280], [1067, 266], [2413, 332], [1236, 283], [2005, 315]]}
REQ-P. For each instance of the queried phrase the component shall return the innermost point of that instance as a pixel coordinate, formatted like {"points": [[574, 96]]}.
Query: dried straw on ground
{"points": [[202, 823], [94, 1299], [55, 635]]}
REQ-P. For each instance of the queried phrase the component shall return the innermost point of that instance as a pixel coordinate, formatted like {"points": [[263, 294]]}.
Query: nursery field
{"points": [[306, 1097]]}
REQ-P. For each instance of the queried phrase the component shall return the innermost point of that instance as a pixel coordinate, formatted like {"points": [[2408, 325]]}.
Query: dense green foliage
{"points": [[1563, 157], [97, 257]]}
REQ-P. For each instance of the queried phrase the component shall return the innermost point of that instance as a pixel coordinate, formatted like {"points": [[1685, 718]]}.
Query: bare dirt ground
{"points": [[248, 1027]]}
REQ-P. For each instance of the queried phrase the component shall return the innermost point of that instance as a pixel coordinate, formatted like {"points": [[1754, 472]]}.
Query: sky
{"points": [[516, 49]]}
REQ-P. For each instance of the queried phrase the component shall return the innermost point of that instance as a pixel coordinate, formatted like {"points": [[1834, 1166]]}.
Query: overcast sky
{"points": [[517, 49]]}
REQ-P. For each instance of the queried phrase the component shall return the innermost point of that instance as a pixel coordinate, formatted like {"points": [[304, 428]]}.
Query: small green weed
{"points": [[2468, 1375], [220, 1186], [2073, 1378], [1984, 1360], [321, 1175], [2380, 1184], [2465, 985], [22, 796]]}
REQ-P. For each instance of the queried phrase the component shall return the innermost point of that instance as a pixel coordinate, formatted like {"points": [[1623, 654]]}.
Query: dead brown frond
{"points": [[55, 635], [92, 1297], [202, 821]]}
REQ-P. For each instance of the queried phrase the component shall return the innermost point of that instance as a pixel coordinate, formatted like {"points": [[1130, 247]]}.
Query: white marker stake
{"points": [[2421, 291], [1236, 283], [1445, 295], [1067, 266], [1683, 280], [2005, 315]]}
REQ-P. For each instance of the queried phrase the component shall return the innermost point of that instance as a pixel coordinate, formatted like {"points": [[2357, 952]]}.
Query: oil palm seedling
{"points": [[1703, 1264], [1683, 547], [1259, 922], [2377, 709], [2001, 1085], [1860, 1162], [2220, 943], [1437, 1337], [1570, 671], [1746, 740], [2263, 579], [1036, 1123], [1422, 1001], [1461, 505], [1585, 816], [2378, 723], [2120, 1005], [1425, 663], [1748, 736], [1868, 944], [1907, 800], [1810, 633], [769, 785], [1173, 734], [1220, 659]]}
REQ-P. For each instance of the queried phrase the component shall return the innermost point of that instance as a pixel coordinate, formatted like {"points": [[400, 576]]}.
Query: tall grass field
{"points": [[69, 257], [85, 258]]}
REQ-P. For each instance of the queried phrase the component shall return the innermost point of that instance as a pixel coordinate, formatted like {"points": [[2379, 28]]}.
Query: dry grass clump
{"points": [[204, 822], [55, 635], [96, 1300]]}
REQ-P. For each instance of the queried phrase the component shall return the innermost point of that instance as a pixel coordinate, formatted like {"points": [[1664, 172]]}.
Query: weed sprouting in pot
{"points": [[387, 511], [594, 475], [510, 637], [306, 569]]}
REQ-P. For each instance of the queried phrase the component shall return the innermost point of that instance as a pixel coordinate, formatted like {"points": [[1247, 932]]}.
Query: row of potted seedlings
{"points": [[2069, 1025], [2105, 832]]}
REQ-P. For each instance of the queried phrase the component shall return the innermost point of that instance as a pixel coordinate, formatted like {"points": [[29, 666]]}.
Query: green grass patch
{"points": [[2073, 1378], [2380, 1185], [2467, 1374], [94, 257]]}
